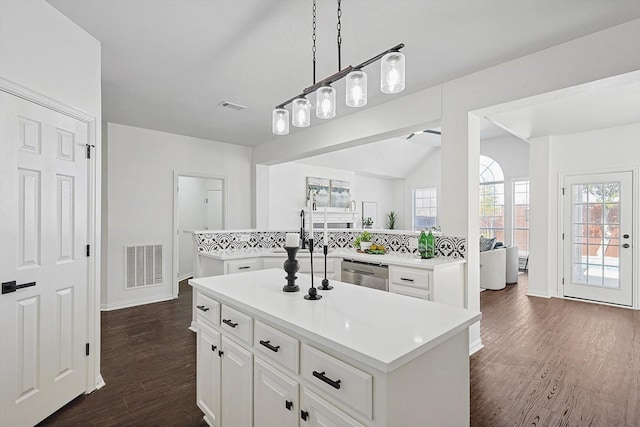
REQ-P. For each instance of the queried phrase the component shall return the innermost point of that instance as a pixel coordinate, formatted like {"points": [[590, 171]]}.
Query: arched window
{"points": [[491, 199]]}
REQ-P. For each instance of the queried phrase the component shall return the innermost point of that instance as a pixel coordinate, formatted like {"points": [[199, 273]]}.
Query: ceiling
{"points": [[168, 64]]}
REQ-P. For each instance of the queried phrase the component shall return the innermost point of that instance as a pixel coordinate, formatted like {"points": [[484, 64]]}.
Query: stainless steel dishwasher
{"points": [[370, 275]]}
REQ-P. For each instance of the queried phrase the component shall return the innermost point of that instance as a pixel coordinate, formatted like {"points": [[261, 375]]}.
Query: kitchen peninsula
{"points": [[356, 357]]}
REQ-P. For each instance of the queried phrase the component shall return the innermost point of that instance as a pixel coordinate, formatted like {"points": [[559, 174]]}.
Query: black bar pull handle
{"points": [[269, 346], [244, 267], [230, 323], [406, 280], [332, 383], [288, 404], [213, 347], [203, 307], [8, 287], [304, 415]]}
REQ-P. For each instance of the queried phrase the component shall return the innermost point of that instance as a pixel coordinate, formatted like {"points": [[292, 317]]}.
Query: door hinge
{"points": [[563, 280], [86, 349], [562, 236], [563, 191], [206, 201], [88, 250]]}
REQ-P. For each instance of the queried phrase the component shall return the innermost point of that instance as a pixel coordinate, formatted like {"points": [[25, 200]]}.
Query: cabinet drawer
{"points": [[410, 277], [237, 323], [241, 265], [411, 292], [277, 345], [208, 309], [337, 379]]}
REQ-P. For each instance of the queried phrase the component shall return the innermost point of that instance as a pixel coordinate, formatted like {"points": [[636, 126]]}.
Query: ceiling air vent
{"points": [[233, 106]]}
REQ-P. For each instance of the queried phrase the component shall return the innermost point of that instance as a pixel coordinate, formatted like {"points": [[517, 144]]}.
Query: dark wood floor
{"points": [[149, 366], [555, 362], [546, 362]]}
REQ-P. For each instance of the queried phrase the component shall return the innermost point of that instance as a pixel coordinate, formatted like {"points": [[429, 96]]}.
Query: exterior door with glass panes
{"points": [[598, 251]]}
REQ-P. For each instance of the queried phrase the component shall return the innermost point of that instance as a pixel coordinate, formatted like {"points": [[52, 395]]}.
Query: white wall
{"points": [[287, 186], [603, 150], [288, 183], [374, 189], [141, 164], [45, 52], [427, 174]]}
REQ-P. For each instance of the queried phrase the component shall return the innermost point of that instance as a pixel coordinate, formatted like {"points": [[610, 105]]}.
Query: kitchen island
{"points": [[356, 357]]}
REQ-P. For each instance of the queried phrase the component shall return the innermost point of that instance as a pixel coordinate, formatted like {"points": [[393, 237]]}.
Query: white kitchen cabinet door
{"points": [[276, 397], [409, 291], [316, 412], [237, 385], [208, 374]]}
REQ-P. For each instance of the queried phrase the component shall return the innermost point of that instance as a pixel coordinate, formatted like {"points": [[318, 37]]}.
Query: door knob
{"points": [[626, 236], [626, 245]]}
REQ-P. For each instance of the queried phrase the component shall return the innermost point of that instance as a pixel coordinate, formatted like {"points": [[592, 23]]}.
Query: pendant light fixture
{"points": [[301, 112], [392, 80], [392, 73], [326, 102], [280, 121], [357, 89]]}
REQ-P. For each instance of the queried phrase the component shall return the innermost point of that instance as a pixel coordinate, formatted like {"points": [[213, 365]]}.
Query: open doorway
{"points": [[199, 204]]}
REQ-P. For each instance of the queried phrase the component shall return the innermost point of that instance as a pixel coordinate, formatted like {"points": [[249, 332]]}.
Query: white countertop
{"points": [[383, 330], [391, 258]]}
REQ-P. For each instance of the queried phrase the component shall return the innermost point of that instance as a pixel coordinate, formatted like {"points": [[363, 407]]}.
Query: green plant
{"points": [[391, 220], [365, 236]]}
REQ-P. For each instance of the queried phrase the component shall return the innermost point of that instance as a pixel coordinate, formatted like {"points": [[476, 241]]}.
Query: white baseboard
{"points": [[100, 382], [184, 276], [193, 327], [134, 303], [475, 346], [534, 294]]}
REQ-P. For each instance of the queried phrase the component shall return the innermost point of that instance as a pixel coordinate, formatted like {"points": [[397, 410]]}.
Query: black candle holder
{"points": [[313, 292], [325, 282], [291, 266]]}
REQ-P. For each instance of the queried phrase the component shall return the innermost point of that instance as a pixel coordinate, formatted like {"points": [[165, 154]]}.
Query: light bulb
{"points": [[392, 73], [280, 121], [325, 102], [301, 112], [356, 88]]}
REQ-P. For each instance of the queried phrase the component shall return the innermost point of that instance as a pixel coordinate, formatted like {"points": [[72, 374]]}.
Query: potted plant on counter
{"points": [[391, 220], [363, 241]]}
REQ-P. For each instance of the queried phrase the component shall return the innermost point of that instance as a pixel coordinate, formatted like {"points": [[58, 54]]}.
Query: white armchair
{"points": [[493, 269]]}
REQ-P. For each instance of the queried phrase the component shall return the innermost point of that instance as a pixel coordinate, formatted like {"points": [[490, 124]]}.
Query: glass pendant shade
{"points": [[357, 89], [392, 73], [280, 121], [326, 102], [301, 112]]}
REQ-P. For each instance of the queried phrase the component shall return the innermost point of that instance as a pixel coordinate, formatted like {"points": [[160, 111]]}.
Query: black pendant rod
{"points": [[340, 74]]}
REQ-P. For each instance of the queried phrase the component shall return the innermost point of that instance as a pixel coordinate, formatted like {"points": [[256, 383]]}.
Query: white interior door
{"points": [[43, 188], [598, 250], [214, 209]]}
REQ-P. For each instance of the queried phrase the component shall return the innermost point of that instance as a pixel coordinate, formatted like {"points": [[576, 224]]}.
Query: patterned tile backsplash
{"points": [[397, 242]]}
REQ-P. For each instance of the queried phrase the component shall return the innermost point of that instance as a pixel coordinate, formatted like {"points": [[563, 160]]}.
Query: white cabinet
{"points": [[208, 374], [224, 379], [316, 412], [236, 385], [242, 265], [276, 400], [414, 282], [443, 284]]}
